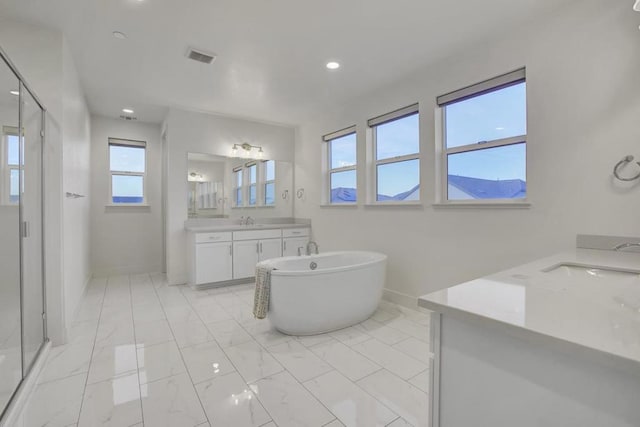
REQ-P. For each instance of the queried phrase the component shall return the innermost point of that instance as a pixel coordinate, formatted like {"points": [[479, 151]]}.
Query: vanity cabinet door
{"points": [[213, 262], [290, 245], [245, 258], [270, 248]]}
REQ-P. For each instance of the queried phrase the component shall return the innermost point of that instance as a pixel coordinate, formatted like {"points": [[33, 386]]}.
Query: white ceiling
{"points": [[271, 53]]}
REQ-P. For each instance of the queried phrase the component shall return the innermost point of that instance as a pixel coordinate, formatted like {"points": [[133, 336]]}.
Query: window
{"points": [[252, 171], [127, 166], [11, 169], [237, 189], [269, 182], [484, 141], [396, 153], [341, 174]]}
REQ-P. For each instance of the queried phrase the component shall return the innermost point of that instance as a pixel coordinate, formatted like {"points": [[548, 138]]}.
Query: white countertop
{"points": [[598, 310], [238, 227]]}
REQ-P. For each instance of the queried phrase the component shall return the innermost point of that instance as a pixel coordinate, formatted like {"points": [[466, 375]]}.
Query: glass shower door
{"points": [[10, 331], [33, 332]]}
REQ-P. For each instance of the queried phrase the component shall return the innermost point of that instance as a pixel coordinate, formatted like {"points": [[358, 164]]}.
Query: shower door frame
{"points": [[24, 85]]}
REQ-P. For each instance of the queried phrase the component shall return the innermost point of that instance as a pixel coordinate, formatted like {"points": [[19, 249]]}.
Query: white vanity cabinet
{"points": [[230, 256], [253, 246], [293, 239], [212, 258]]}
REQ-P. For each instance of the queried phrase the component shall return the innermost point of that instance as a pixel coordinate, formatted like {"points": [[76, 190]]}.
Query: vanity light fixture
{"points": [[334, 65], [247, 149], [127, 110], [194, 176]]}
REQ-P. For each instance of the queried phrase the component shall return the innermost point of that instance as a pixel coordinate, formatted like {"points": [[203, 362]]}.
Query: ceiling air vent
{"points": [[128, 118], [200, 56]]}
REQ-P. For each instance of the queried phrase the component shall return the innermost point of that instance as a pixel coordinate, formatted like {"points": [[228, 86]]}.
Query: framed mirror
{"points": [[232, 187]]}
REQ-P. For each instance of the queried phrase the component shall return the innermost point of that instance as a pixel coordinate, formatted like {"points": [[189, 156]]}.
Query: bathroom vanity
{"points": [[227, 254], [552, 343]]}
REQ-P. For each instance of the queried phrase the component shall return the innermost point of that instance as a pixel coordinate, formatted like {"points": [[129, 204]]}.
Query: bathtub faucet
{"points": [[315, 245]]}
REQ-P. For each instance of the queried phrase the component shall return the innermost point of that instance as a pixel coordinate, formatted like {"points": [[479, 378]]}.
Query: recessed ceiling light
{"points": [[127, 110], [14, 92], [119, 35], [333, 65]]}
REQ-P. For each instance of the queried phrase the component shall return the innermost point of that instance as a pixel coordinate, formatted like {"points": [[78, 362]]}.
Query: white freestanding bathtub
{"points": [[321, 293]]}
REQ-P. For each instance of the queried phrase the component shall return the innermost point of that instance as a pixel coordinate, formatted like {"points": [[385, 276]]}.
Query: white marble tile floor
{"points": [[145, 354]]}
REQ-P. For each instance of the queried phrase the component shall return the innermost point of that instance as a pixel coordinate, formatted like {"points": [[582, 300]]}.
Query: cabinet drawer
{"points": [[257, 234], [213, 237], [296, 232]]}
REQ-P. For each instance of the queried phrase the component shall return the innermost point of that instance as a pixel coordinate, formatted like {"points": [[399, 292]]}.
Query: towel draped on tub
{"points": [[263, 290]]}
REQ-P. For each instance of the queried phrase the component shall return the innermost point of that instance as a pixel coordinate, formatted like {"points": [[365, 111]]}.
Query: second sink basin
{"points": [[589, 272]]}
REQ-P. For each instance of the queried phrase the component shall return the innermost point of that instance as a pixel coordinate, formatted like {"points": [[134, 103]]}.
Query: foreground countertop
{"points": [[597, 310], [237, 227]]}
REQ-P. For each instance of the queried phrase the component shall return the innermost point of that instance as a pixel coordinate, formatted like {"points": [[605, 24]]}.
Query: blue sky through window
{"points": [[13, 150], [396, 178], [495, 115], [398, 138], [343, 151], [126, 159], [500, 163]]}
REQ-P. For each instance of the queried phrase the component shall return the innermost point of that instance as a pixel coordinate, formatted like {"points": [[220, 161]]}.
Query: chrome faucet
{"points": [[315, 245], [247, 221], [626, 245]]}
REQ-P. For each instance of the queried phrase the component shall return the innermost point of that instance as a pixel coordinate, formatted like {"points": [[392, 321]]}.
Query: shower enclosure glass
{"points": [[22, 298], [10, 321]]}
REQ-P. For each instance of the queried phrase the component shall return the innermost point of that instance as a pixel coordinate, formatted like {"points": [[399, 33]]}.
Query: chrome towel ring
{"points": [[622, 163]]}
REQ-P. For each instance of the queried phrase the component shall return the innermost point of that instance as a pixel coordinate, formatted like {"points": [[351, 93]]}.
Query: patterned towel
{"points": [[263, 290]]}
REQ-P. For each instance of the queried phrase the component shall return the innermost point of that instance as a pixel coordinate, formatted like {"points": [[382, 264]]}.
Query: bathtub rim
{"points": [[378, 258]]}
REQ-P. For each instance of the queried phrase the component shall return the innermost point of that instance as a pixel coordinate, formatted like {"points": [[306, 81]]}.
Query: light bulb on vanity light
{"points": [[234, 151], [260, 153]]}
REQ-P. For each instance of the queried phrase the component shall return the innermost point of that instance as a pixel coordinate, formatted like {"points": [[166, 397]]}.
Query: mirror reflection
{"points": [[231, 187]]}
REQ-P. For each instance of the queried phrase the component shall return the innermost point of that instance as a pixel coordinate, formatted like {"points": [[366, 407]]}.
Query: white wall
{"points": [[583, 114], [42, 57], [76, 150], [210, 134], [125, 239]]}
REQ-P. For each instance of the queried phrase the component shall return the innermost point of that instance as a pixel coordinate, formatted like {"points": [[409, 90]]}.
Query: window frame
{"points": [[264, 182], [133, 144], [8, 131], [373, 124], [327, 140], [238, 171], [247, 168], [491, 85]]}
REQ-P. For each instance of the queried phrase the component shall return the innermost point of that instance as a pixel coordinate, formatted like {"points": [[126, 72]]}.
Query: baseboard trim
{"points": [[16, 407], [223, 284], [401, 299], [127, 270]]}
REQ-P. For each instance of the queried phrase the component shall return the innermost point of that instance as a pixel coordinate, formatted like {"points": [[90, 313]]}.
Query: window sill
{"points": [[339, 205], [127, 206], [482, 205], [253, 207], [394, 204]]}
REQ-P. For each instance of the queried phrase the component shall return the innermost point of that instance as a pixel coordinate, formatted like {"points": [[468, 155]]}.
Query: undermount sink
{"points": [[589, 272]]}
